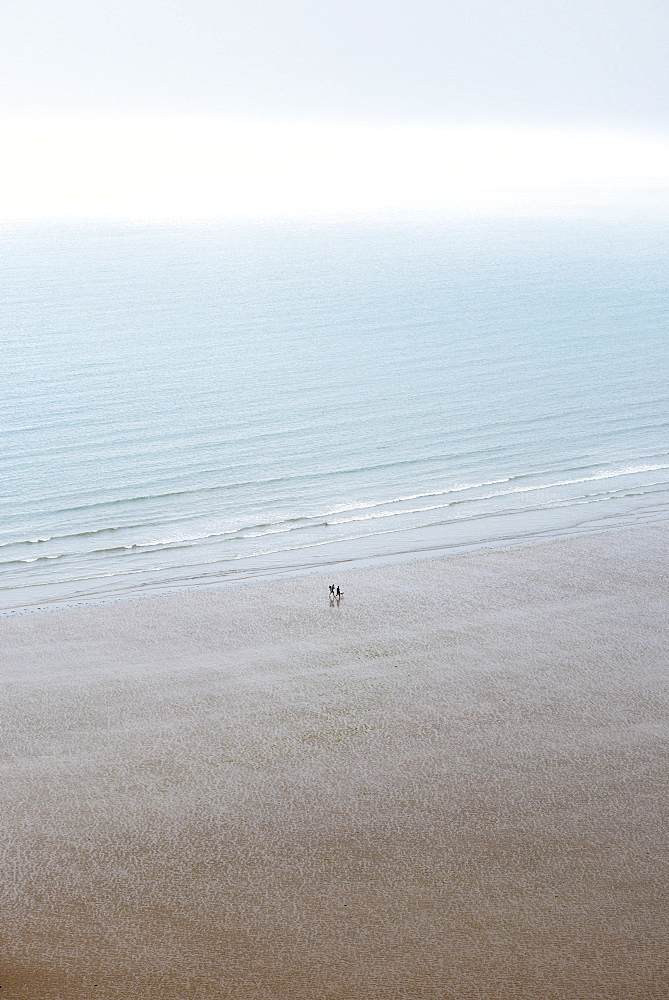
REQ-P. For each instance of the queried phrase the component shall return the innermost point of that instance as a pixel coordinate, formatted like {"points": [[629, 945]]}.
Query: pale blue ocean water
{"points": [[191, 405]]}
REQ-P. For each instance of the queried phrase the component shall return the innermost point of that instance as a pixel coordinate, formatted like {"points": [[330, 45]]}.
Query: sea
{"points": [[196, 404]]}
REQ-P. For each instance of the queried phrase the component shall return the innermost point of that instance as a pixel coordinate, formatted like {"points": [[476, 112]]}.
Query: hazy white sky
{"points": [[189, 106], [562, 62]]}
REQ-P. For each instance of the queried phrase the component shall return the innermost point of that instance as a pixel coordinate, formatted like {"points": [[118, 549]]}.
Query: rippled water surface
{"points": [[191, 405]]}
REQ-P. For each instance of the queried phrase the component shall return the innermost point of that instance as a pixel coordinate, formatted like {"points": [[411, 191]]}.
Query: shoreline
{"points": [[451, 785], [351, 565]]}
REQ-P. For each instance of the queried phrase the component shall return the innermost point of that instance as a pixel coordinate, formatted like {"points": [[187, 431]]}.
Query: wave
{"points": [[148, 548], [310, 521], [401, 530], [68, 536], [221, 487], [250, 527], [432, 507]]}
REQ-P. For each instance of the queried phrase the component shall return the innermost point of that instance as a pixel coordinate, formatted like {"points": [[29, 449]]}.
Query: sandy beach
{"points": [[452, 785]]}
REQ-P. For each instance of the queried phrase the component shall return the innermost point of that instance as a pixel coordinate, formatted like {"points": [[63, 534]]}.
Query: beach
{"points": [[452, 784]]}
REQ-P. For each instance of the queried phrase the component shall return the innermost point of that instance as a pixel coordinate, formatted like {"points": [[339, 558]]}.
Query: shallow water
{"points": [[192, 405]]}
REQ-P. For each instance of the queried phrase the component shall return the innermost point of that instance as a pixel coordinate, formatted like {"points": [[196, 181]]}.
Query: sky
{"points": [[166, 106]]}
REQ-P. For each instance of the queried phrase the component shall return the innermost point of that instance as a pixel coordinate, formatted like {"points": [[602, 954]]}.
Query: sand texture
{"points": [[453, 785]]}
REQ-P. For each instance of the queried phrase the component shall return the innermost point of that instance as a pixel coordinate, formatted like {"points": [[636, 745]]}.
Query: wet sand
{"points": [[453, 785]]}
